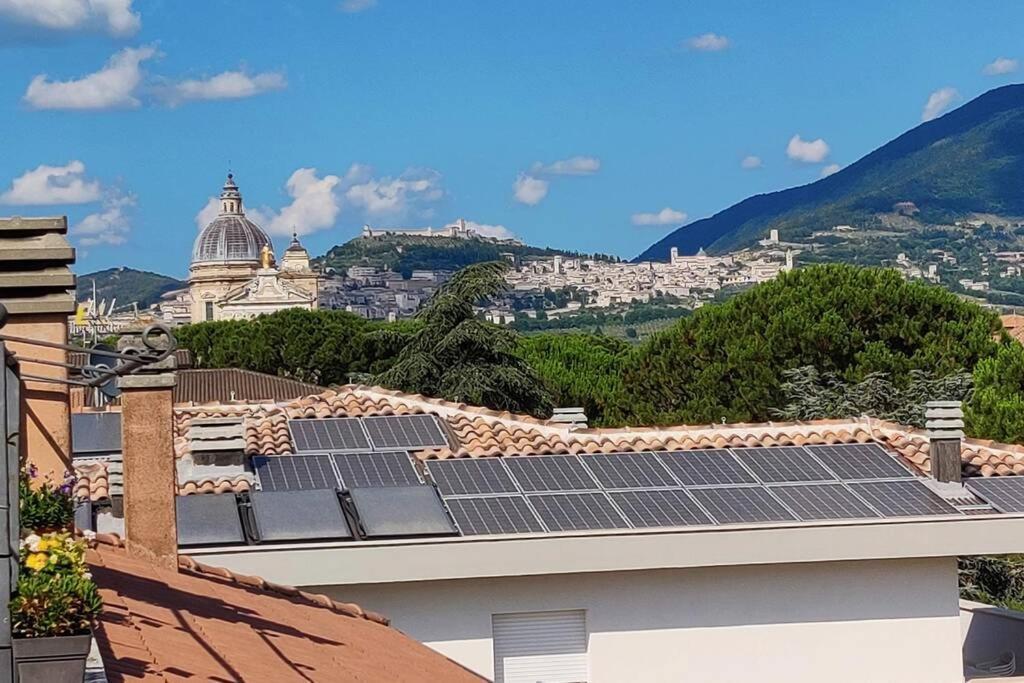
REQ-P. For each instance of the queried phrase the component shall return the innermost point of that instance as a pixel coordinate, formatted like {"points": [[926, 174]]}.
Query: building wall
{"points": [[844, 622]]}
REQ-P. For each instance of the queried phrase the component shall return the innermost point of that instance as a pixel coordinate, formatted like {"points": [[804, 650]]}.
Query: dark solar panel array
{"points": [[629, 471], [852, 462], [902, 498], [577, 511], [332, 434], [298, 516], [1006, 494], [295, 472], [362, 470], [551, 473], [493, 515], [663, 507], [405, 432], [468, 477], [401, 511], [716, 467], [745, 505], [783, 464], [823, 501]]}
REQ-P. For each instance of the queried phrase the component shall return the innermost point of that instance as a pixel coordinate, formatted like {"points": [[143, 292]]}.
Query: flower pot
{"points": [[59, 659]]}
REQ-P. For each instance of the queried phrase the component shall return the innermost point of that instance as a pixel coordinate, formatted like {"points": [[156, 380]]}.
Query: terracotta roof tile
{"points": [[205, 623]]}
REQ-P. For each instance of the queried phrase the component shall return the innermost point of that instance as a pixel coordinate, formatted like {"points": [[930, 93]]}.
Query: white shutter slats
{"points": [[540, 647]]}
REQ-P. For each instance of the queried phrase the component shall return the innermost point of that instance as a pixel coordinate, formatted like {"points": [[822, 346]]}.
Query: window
{"points": [[540, 647], [209, 310]]}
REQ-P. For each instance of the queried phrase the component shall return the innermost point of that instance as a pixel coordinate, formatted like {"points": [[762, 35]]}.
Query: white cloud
{"points": [[314, 206], [529, 190], [751, 162], [938, 102], [394, 198], [108, 226], [111, 87], [708, 42], [209, 212], [1001, 66], [229, 85], [829, 170], [578, 165], [46, 185], [667, 216], [807, 151], [496, 231], [113, 16], [353, 6]]}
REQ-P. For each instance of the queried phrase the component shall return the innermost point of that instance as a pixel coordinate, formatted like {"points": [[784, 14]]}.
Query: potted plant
{"points": [[55, 602]]}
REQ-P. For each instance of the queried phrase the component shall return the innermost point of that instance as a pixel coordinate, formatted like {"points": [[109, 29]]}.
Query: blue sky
{"points": [[583, 125]]}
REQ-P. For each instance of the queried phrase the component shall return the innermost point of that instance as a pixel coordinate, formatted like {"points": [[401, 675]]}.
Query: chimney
{"points": [[37, 288], [147, 447], [944, 421]]}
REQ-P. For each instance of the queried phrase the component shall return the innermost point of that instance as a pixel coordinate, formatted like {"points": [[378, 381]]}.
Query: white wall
{"points": [[842, 622]]}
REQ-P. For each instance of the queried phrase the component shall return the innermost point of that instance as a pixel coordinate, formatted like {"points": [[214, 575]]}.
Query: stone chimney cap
{"points": [[944, 419]]}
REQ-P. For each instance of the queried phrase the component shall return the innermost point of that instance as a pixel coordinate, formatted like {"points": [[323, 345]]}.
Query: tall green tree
{"points": [[581, 370], [996, 410], [727, 361], [456, 356]]}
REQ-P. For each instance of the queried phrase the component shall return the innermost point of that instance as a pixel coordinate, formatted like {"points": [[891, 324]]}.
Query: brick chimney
{"points": [[147, 446], [944, 421], [37, 288]]}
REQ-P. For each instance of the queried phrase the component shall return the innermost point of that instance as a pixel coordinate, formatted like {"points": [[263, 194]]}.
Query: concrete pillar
{"points": [[45, 406], [150, 487]]}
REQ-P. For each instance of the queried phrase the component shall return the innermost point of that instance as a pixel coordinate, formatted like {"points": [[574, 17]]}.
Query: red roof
{"points": [[207, 624]]}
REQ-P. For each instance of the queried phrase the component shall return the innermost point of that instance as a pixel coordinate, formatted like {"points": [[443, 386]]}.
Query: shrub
{"points": [[48, 506], [59, 604]]}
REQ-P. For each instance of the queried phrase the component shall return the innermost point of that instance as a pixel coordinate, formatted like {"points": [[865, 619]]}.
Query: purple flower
{"points": [[33, 471]]}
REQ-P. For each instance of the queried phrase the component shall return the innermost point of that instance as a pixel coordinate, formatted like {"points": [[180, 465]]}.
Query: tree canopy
{"points": [[454, 355], [726, 362]]}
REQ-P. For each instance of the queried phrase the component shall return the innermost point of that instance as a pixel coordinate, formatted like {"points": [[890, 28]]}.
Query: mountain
{"points": [[127, 285], [970, 161], [404, 253]]}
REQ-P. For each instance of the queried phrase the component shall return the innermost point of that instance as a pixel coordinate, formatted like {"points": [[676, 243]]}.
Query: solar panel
{"points": [[551, 473], [783, 464], [1005, 493], [860, 461], [366, 470], [294, 472], [577, 511], [330, 434], [493, 515], [401, 511], [208, 519], [714, 467], [741, 505], [298, 516], [902, 498], [466, 476], [823, 501], [94, 433], [405, 432], [667, 507], [629, 471]]}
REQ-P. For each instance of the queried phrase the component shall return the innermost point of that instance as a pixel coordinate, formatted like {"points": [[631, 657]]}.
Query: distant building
{"points": [[456, 230], [233, 274]]}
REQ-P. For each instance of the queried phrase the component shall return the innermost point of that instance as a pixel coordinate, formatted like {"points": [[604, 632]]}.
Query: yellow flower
{"points": [[36, 561], [45, 544]]}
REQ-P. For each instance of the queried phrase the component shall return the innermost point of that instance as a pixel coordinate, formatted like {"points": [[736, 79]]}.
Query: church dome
{"points": [[231, 236]]}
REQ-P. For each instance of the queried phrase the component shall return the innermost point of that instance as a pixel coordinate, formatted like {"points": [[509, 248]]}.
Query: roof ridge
{"points": [[190, 565]]}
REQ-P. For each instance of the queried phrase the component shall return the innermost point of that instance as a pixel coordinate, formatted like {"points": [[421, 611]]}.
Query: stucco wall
{"points": [[843, 622]]}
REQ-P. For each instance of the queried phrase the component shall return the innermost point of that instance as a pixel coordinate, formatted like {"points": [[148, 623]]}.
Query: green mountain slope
{"points": [[404, 254], [969, 161], [127, 285]]}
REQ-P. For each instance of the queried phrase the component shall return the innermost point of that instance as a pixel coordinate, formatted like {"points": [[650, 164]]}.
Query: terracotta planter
{"points": [[52, 660]]}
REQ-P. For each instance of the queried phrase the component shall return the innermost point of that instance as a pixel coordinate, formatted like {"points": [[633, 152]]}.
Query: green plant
{"points": [[47, 605], [47, 506]]}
